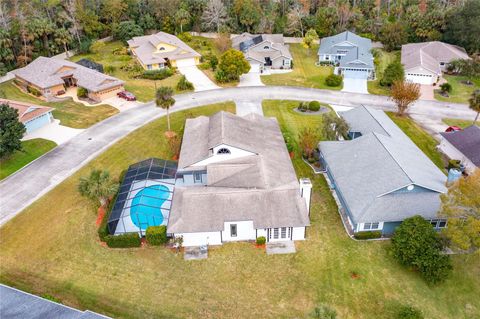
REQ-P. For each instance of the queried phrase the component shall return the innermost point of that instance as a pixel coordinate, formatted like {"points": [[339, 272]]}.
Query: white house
{"points": [[463, 145]]}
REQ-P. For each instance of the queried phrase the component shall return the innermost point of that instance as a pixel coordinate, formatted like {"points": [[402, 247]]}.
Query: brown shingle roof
{"points": [[26, 111]]}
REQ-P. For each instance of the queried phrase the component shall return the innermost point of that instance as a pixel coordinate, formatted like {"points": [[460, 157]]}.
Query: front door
{"points": [[279, 234]]}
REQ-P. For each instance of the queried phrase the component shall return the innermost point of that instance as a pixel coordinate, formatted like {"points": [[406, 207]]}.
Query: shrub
{"points": [[314, 106], [97, 46], [159, 74], [368, 234], [84, 46], [185, 37], [323, 312], [156, 235], [123, 241], [220, 76], [302, 106], [213, 61], [33, 91], [393, 72], [333, 80], [109, 69], [453, 163], [183, 84], [446, 88], [132, 68], [409, 312], [120, 51], [18, 82], [288, 141], [232, 64], [261, 240], [82, 92]]}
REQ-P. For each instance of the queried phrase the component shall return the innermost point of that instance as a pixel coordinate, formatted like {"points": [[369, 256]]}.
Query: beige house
{"points": [[52, 77], [160, 49]]}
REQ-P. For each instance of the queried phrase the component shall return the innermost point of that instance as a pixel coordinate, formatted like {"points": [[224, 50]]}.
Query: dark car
{"points": [[126, 96], [453, 128]]}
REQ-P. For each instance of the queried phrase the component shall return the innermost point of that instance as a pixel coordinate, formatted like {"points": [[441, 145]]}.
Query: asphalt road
{"points": [[33, 181]]}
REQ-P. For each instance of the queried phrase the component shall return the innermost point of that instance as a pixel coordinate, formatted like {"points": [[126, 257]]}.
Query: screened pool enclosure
{"points": [[144, 198]]}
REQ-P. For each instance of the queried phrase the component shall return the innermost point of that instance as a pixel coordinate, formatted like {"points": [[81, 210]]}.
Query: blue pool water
{"points": [[145, 210]]}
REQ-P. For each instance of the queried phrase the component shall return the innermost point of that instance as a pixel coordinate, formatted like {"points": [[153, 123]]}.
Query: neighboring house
{"points": [[234, 182], [52, 77], [264, 50], [424, 62], [463, 145], [380, 176], [91, 65], [31, 116], [157, 50], [350, 53]]}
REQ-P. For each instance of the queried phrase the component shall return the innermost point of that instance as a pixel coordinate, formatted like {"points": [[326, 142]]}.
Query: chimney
{"points": [[306, 191]]}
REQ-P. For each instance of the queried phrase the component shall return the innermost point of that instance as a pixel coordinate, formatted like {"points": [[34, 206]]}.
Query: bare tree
{"points": [[295, 20], [70, 8], [4, 17], [214, 15]]}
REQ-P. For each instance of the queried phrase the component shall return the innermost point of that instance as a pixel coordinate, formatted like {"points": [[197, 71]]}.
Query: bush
{"points": [[368, 234], [393, 72], [453, 163], [333, 80], [109, 69], [97, 46], [18, 82], [33, 91], [232, 64], [133, 69], [287, 137], [261, 240], [159, 74], [82, 92], [123, 241], [212, 61], [314, 106], [220, 76], [185, 37], [84, 46], [302, 106], [323, 312], [120, 51], [156, 235], [446, 88], [409, 312], [183, 84]]}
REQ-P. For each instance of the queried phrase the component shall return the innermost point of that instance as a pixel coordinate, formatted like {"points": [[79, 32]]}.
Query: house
{"points": [[50, 77], [234, 181], [31, 116], [91, 65], [463, 145], [350, 54], [424, 62], [160, 49], [264, 51], [380, 176]]}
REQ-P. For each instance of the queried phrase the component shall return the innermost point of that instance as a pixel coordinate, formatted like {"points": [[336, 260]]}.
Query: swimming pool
{"points": [[146, 206]]}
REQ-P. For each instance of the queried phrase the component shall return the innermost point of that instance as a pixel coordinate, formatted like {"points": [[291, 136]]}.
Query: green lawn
{"points": [[383, 59], [459, 123], [305, 72], [31, 150], [421, 138], [69, 113], [460, 92], [55, 239]]}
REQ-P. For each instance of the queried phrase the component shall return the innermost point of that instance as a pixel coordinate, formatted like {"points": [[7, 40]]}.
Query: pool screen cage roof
{"points": [[146, 173]]}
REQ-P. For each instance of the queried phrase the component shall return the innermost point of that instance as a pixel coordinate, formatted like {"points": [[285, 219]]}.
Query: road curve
{"points": [[30, 183]]}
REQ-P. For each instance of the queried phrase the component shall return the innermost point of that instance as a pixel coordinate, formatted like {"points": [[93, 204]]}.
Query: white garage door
{"points": [[420, 78], [254, 67], [355, 73], [185, 62]]}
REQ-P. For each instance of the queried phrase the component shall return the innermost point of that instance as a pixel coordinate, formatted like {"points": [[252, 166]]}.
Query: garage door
{"points": [[185, 62], [356, 73], [420, 78], [254, 67]]}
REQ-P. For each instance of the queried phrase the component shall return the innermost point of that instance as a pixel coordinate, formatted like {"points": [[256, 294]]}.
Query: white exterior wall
{"points": [[421, 76], [199, 239], [215, 158], [245, 231], [261, 233], [453, 153], [298, 233]]}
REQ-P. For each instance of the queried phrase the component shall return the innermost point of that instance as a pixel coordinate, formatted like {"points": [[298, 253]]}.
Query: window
{"points": [[223, 150], [371, 226], [275, 233], [438, 223], [266, 47], [161, 49], [233, 230], [197, 177], [283, 233], [149, 66], [442, 224]]}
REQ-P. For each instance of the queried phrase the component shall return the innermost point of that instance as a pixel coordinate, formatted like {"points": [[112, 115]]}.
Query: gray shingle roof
{"points": [[44, 72], [467, 141], [247, 43], [369, 169]]}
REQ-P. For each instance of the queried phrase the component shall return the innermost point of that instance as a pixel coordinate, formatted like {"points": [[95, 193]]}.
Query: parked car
{"points": [[453, 128], [126, 96]]}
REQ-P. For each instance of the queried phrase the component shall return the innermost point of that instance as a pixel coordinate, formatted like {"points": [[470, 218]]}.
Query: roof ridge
{"points": [[370, 113]]}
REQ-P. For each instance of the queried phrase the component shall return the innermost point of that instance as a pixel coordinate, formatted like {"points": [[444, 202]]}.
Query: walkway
{"points": [[200, 81], [30, 183], [246, 107]]}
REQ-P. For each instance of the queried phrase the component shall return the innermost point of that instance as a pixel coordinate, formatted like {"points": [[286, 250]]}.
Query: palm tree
{"points": [[164, 99], [474, 102], [98, 186]]}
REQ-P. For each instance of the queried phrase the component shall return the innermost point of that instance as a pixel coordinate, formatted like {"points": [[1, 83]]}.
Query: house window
{"points": [[223, 150], [266, 47], [197, 177], [438, 223], [161, 49], [371, 226], [149, 66], [283, 232], [233, 230], [275, 233]]}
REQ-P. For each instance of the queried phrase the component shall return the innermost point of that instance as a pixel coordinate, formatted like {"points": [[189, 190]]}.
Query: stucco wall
{"points": [[245, 231], [199, 239]]}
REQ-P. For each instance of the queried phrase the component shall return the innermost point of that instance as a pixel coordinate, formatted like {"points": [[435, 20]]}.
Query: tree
{"points": [[404, 94], [182, 17], [164, 99], [295, 20], [248, 13], [393, 35], [308, 141], [127, 30], [416, 244], [393, 72], [214, 15], [6, 52], [461, 207], [309, 39], [474, 103], [62, 38], [232, 65], [98, 186], [463, 27], [11, 131], [334, 126]]}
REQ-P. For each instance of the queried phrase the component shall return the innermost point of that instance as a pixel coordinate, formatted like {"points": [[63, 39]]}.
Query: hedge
{"points": [[368, 234], [82, 92], [183, 84], [159, 74], [33, 91], [314, 106], [333, 80], [123, 241], [156, 235], [261, 240]]}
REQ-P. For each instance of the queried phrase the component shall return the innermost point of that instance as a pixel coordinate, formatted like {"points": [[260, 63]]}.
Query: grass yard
{"points": [[32, 149], [56, 241], [69, 113], [421, 138], [383, 59], [305, 72], [460, 92], [459, 123]]}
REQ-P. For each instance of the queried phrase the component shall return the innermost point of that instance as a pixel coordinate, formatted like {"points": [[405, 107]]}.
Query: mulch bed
{"points": [[101, 213]]}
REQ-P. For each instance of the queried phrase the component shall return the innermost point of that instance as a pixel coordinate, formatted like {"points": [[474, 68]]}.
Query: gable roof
{"points": [[247, 43], [428, 55], [26, 111], [370, 170], [358, 49], [145, 47], [467, 141], [47, 72]]}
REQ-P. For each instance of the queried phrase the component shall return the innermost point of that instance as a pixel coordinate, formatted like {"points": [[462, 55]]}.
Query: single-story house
{"points": [[51, 77], [157, 50], [380, 176], [350, 53], [463, 145], [424, 62], [91, 65], [264, 50], [31, 116], [234, 181]]}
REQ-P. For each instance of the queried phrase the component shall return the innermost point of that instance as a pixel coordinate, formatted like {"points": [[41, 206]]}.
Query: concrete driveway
{"points": [[54, 132], [121, 104], [252, 78], [200, 81], [355, 85]]}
